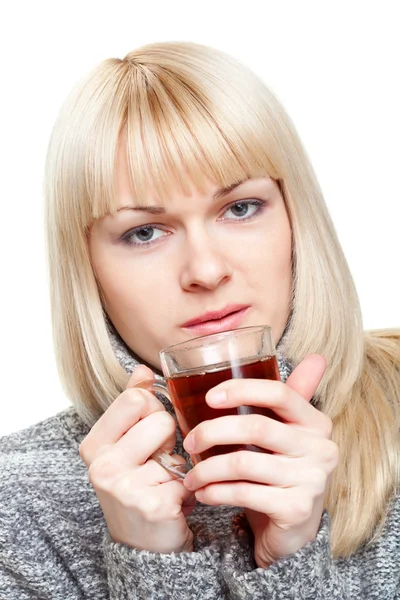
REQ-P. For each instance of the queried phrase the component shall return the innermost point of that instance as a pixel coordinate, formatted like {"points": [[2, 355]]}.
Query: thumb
{"points": [[306, 377], [141, 373]]}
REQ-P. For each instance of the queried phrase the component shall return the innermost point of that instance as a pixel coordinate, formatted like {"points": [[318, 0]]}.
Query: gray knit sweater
{"points": [[54, 542]]}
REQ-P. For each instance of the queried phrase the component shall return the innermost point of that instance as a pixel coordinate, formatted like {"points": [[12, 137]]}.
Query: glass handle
{"points": [[164, 459]]}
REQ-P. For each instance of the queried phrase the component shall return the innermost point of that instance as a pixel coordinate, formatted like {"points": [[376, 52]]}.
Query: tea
{"points": [[188, 393]]}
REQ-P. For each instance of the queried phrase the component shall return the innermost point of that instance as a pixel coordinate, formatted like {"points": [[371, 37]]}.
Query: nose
{"points": [[205, 266]]}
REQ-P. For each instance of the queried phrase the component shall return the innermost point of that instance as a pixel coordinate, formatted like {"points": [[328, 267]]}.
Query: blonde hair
{"points": [[186, 113]]}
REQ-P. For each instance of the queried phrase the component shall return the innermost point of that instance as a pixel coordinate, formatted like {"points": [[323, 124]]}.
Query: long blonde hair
{"points": [[188, 113]]}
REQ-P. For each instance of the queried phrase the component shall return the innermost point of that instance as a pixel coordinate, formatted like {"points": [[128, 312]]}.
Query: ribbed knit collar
{"points": [[129, 361]]}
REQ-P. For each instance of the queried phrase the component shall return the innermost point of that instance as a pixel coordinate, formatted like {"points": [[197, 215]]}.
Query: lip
{"points": [[218, 321]]}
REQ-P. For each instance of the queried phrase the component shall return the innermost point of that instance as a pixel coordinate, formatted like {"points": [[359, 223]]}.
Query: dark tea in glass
{"points": [[188, 391]]}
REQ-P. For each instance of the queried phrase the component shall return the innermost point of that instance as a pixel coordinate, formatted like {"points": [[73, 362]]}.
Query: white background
{"points": [[335, 66]]}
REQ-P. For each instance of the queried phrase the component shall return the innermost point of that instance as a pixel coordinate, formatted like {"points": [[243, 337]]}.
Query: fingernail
{"points": [[216, 397], [189, 444]]}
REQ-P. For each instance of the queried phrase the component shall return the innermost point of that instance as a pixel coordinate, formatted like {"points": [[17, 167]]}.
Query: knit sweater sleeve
{"points": [[43, 557], [32, 568], [143, 575], [308, 573]]}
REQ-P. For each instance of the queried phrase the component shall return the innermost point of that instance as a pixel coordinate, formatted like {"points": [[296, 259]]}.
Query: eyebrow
{"points": [[227, 190], [158, 210]]}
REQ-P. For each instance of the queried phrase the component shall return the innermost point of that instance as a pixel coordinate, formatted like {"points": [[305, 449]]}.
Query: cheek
{"points": [[126, 294], [270, 253], [131, 294], [115, 279], [274, 283]]}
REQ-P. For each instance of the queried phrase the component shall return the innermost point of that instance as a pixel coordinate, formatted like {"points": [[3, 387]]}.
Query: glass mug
{"points": [[193, 367]]}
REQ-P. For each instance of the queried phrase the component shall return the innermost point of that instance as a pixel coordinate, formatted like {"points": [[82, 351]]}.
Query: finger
{"points": [[307, 376], [285, 402], [255, 430], [176, 491], [168, 500], [278, 503], [130, 407], [140, 374], [159, 503], [245, 465], [156, 432], [112, 467], [152, 473]]}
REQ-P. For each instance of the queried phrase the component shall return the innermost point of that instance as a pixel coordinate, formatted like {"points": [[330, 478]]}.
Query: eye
{"points": [[141, 236], [244, 209]]}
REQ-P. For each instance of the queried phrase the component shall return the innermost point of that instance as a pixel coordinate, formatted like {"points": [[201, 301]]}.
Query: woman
{"points": [[176, 185]]}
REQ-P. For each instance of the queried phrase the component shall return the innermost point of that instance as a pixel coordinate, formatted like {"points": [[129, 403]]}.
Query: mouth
{"points": [[218, 321]]}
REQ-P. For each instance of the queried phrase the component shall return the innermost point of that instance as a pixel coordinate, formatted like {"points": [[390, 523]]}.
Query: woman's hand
{"points": [[282, 492], [143, 505]]}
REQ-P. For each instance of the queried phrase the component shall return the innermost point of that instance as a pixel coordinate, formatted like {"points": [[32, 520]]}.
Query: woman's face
{"points": [[163, 267]]}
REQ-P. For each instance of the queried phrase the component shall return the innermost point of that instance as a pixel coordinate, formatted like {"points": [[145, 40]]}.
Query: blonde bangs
{"points": [[176, 138], [175, 141]]}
